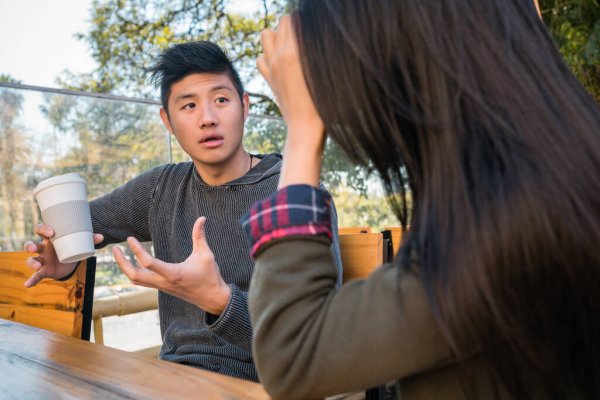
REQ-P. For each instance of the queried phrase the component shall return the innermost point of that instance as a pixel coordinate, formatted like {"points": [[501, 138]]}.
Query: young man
{"points": [[203, 278]]}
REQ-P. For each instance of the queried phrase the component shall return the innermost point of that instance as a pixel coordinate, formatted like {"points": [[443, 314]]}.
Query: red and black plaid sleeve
{"points": [[296, 210]]}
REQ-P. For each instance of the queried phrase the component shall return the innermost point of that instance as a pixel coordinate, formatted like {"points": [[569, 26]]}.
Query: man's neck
{"points": [[232, 169]]}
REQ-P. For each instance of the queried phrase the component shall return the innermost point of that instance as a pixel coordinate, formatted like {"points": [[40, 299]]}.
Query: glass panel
{"points": [[110, 141], [358, 196], [43, 134]]}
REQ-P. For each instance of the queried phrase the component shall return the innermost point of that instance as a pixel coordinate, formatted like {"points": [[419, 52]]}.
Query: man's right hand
{"points": [[46, 264]]}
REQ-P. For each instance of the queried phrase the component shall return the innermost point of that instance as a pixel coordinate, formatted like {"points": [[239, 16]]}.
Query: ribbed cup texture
{"points": [[68, 217]]}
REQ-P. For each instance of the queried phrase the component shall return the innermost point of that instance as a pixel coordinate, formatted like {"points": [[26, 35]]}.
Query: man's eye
{"points": [[189, 106], [221, 100]]}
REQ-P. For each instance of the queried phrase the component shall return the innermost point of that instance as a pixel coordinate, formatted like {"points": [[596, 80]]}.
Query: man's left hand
{"points": [[196, 280]]}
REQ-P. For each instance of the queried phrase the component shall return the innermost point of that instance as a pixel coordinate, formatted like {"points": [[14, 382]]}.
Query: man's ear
{"points": [[164, 115], [246, 104]]}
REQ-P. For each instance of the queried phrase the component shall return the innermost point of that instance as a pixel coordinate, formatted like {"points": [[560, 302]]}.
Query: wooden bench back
{"points": [[396, 232], [350, 230], [361, 254], [64, 307]]}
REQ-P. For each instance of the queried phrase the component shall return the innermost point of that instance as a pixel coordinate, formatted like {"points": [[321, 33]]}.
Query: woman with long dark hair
{"points": [[467, 106]]}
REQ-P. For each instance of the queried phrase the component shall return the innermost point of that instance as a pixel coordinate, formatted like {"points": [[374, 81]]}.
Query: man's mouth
{"points": [[211, 138], [211, 141]]}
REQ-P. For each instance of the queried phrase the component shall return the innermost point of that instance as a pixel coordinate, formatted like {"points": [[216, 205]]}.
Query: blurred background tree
{"points": [[575, 26], [126, 36], [111, 141], [15, 208]]}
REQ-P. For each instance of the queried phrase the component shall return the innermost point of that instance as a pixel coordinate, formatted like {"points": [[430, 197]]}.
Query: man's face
{"points": [[207, 117]]}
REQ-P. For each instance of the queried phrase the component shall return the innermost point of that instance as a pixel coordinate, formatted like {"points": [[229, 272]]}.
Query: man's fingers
{"points": [[144, 258], [199, 243], [139, 276], [128, 269], [34, 279], [34, 263], [33, 247], [98, 238], [44, 230], [147, 261]]}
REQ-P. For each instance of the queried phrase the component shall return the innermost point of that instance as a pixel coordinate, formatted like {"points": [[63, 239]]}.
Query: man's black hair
{"points": [[181, 60]]}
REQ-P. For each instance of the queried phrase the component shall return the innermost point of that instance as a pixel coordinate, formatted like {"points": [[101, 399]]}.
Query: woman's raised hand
{"points": [[281, 67]]}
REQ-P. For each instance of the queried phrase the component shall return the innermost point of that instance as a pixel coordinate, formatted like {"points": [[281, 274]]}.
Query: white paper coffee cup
{"points": [[63, 202]]}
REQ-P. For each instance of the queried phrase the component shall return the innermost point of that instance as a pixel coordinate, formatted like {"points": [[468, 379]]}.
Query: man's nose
{"points": [[208, 118]]}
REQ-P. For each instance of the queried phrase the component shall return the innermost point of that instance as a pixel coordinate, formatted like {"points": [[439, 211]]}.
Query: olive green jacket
{"points": [[311, 340]]}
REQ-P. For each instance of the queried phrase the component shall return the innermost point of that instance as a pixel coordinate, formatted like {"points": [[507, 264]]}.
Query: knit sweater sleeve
{"points": [[233, 325], [125, 211]]}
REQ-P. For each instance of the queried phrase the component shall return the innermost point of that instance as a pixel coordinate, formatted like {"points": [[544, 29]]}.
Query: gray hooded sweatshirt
{"points": [[161, 205]]}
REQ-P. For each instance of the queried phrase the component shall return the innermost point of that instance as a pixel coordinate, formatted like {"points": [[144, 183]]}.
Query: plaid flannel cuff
{"points": [[297, 210]]}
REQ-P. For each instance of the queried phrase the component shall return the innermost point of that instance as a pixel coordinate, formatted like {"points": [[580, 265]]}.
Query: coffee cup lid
{"points": [[57, 180]]}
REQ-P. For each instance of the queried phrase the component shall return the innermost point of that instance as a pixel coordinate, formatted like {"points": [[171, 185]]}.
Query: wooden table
{"points": [[39, 364]]}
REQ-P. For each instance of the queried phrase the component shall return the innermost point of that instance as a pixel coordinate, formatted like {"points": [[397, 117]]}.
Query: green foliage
{"points": [[127, 35], [109, 142], [267, 135], [575, 26], [363, 210], [8, 79], [13, 185]]}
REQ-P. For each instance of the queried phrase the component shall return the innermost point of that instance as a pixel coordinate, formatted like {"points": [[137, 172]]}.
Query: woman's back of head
{"points": [[468, 104]]}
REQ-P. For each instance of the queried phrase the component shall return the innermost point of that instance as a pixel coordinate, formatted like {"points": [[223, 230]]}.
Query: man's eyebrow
{"points": [[184, 96], [221, 87], [216, 88]]}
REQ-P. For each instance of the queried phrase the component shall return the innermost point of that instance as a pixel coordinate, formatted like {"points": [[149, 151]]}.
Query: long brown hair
{"points": [[468, 105]]}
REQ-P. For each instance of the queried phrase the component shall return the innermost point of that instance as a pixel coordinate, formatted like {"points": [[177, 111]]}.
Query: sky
{"points": [[37, 38]]}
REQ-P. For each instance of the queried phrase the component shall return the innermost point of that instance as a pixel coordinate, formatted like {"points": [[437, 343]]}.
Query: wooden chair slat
{"points": [[361, 254], [59, 306], [350, 230]]}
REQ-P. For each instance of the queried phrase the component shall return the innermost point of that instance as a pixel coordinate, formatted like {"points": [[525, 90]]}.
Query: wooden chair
{"points": [[59, 306], [350, 230], [361, 253], [396, 232]]}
